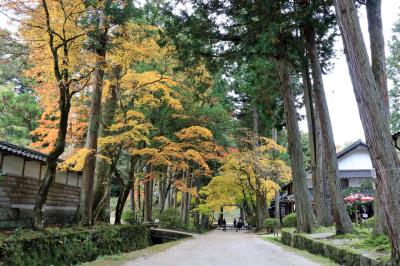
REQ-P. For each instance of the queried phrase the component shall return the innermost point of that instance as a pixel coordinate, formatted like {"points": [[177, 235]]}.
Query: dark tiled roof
{"points": [[355, 173], [7, 147], [351, 147]]}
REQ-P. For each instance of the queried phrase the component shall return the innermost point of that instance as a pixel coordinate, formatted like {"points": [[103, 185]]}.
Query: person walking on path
{"points": [[224, 224]]}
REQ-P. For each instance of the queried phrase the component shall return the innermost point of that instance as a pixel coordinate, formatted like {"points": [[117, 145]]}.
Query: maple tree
{"points": [[240, 172]]}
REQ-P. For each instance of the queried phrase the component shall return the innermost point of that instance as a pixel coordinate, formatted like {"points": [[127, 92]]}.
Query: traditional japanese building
{"points": [[21, 171]]}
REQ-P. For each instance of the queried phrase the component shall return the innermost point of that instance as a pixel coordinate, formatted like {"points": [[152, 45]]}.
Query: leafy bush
{"points": [[171, 218], [289, 220], [369, 223], [271, 223], [72, 245], [129, 217]]}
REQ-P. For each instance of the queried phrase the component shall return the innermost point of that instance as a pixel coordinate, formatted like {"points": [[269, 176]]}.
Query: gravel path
{"points": [[223, 248]]}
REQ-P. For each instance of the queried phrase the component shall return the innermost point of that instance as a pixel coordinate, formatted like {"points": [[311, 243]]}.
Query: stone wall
{"points": [[335, 253]]}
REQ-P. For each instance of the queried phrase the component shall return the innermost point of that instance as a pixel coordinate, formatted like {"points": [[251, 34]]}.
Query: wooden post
{"points": [[66, 180], [40, 171], [23, 168], [1, 162]]}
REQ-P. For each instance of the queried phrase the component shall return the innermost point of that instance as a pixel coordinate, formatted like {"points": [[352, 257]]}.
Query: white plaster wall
{"points": [[357, 181], [13, 165], [32, 169], [61, 177], [356, 159], [73, 179]]}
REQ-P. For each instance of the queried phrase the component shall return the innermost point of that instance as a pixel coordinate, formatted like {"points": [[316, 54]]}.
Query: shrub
{"points": [[369, 223], [271, 223], [129, 217], [171, 218], [289, 220], [72, 245]]}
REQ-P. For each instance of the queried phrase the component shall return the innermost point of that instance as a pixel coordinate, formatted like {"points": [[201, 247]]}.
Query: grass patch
{"points": [[374, 243], [119, 259], [318, 259]]}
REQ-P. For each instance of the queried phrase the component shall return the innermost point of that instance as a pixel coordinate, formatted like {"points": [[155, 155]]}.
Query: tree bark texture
{"points": [[341, 217], [86, 203], [323, 211], [277, 191], [103, 169], [148, 196], [305, 214], [372, 109], [378, 61]]}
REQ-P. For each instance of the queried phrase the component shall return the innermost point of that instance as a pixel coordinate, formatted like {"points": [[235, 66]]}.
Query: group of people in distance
{"points": [[236, 224]]}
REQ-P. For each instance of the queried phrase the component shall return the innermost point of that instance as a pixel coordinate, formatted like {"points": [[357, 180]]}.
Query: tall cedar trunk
{"points": [[103, 169], [277, 191], [86, 202], [321, 172], [260, 198], [186, 200], [41, 197], [305, 214], [378, 61], [373, 113], [148, 196], [321, 212], [341, 217]]}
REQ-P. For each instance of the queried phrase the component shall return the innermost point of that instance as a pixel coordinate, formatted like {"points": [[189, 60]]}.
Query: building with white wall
{"points": [[21, 173], [355, 165]]}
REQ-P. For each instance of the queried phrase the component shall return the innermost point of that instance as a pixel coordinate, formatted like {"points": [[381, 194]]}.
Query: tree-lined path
{"points": [[224, 248]]}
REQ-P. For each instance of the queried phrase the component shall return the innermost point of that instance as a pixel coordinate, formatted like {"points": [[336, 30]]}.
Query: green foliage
{"points": [[369, 223], [394, 76], [271, 223], [289, 220], [19, 113], [170, 218], [365, 188], [129, 217], [71, 246]]}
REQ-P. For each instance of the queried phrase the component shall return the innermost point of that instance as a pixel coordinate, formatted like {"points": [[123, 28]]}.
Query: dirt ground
{"points": [[224, 248]]}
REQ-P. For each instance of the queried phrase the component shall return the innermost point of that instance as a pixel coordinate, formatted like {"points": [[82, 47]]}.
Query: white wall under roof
{"points": [[32, 169], [358, 158], [12, 165]]}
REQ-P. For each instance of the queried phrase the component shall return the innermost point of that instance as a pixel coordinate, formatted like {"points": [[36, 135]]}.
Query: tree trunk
{"points": [[123, 195], [378, 61], [305, 215], [373, 112], [64, 103], [321, 212], [260, 199], [103, 169], [52, 159], [148, 196], [277, 191], [86, 202], [341, 217]]}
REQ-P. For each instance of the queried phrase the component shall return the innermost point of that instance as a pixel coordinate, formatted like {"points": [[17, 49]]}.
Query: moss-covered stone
{"points": [[71, 246], [337, 254]]}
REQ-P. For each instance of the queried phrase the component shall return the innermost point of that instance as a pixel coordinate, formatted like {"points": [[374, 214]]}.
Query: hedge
{"points": [[71, 246], [337, 254]]}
